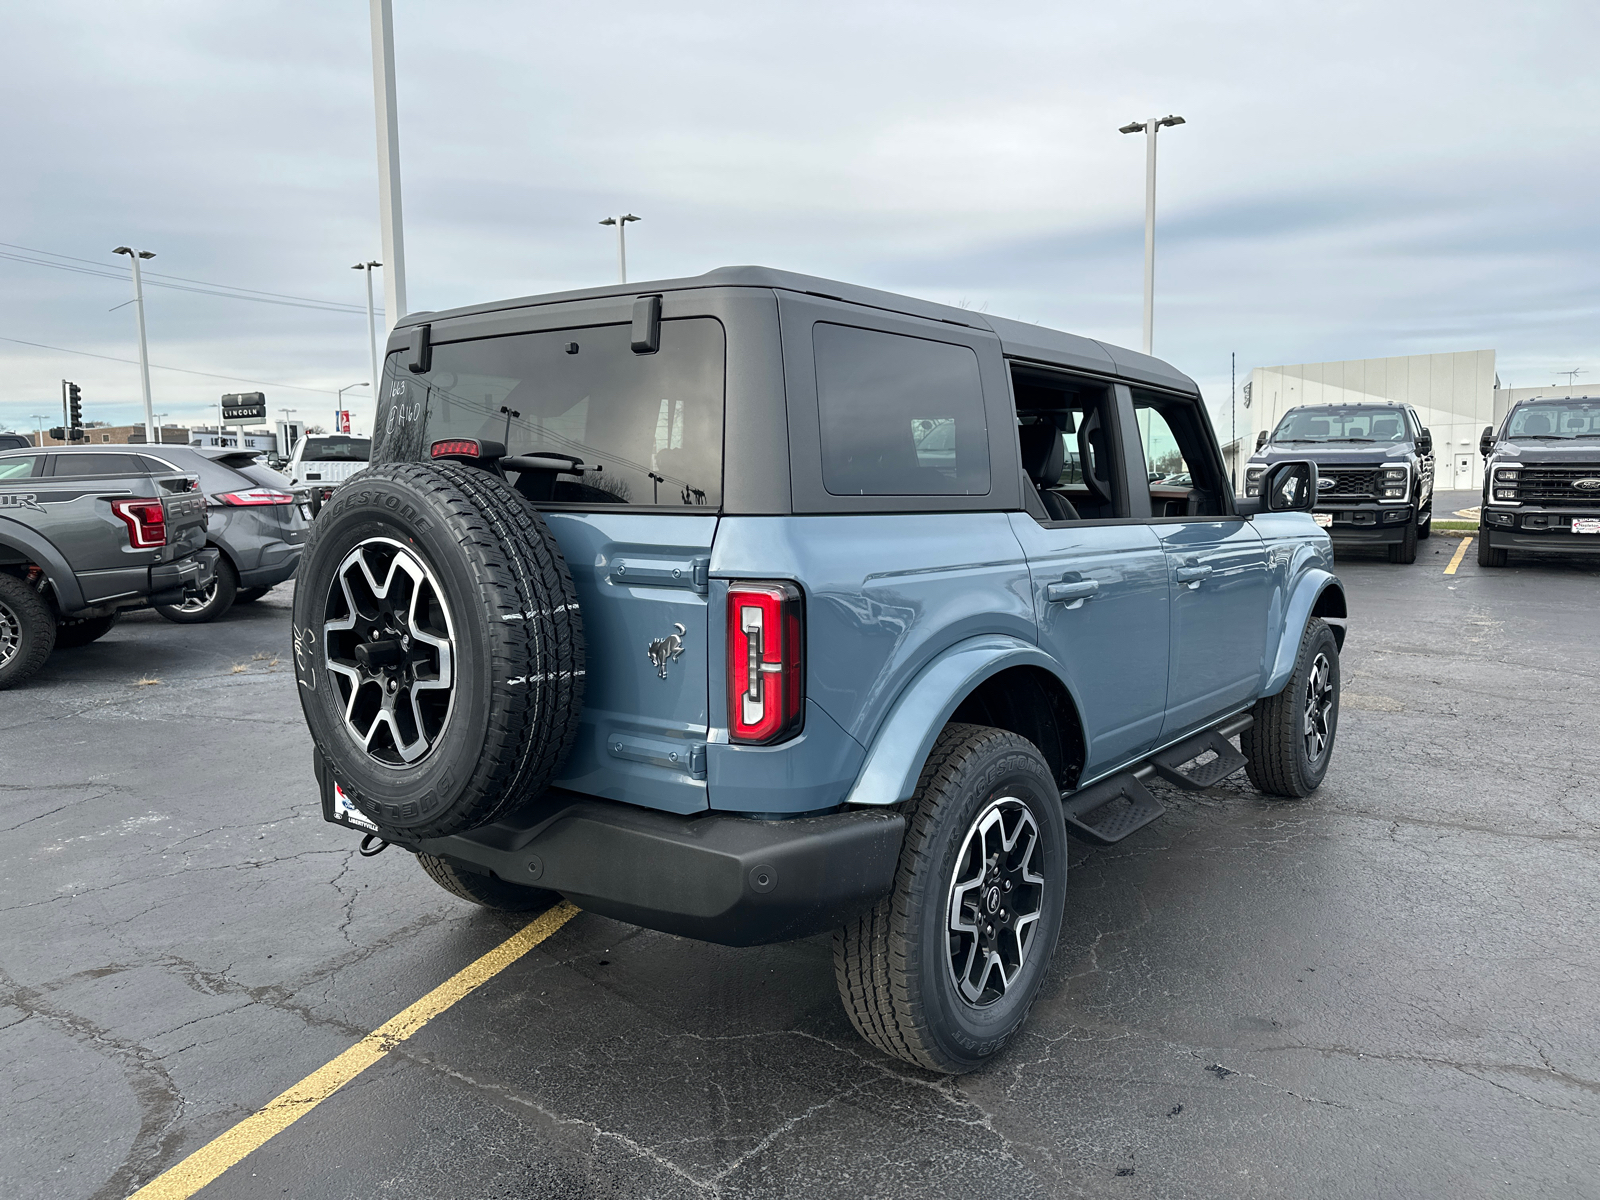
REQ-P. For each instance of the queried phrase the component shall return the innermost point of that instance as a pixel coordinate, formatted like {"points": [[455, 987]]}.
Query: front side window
{"points": [[1342, 423], [1181, 468], [640, 428], [900, 416], [1556, 419]]}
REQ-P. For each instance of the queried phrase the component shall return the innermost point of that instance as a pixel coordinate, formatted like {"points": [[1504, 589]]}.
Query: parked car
{"points": [[252, 520], [14, 441], [1374, 471], [657, 597], [83, 538], [1541, 487]]}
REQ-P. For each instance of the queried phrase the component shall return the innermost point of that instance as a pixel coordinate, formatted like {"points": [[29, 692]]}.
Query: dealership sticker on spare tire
{"points": [[438, 647]]}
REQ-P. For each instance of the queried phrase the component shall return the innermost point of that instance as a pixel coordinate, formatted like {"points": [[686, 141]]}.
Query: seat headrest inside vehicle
{"points": [[1042, 452], [1536, 424]]}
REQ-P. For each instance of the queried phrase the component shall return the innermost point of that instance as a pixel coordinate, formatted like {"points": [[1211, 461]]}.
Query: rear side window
{"points": [[98, 465], [20, 467], [646, 427], [901, 416]]}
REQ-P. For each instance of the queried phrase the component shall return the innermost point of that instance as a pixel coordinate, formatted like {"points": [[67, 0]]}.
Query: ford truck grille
{"points": [[1347, 484], [1556, 485]]}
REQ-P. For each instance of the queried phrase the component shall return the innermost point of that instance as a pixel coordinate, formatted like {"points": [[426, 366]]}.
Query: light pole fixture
{"points": [[340, 402], [388, 125], [38, 428], [622, 243], [1150, 128], [134, 257], [372, 329]]}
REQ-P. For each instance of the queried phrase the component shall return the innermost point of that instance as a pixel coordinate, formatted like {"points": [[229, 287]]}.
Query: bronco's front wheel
{"points": [[943, 970], [1291, 743]]}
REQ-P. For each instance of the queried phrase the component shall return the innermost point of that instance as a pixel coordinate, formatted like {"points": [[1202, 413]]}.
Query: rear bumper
{"points": [[173, 582], [273, 574], [732, 880]]}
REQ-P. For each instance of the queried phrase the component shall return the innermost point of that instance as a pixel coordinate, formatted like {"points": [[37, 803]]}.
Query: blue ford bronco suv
{"points": [[754, 606]]}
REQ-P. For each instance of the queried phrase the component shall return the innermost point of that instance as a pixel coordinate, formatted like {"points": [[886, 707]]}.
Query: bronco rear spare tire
{"points": [[438, 647]]}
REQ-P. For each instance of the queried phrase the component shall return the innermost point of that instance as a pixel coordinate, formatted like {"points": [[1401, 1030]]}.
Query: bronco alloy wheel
{"points": [[943, 970], [438, 647], [1291, 743]]}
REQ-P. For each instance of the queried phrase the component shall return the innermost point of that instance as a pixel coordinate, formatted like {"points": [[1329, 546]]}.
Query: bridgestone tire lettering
{"points": [[489, 553]]}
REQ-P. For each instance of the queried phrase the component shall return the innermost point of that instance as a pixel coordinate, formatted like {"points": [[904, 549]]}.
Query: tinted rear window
{"points": [[647, 427], [337, 449], [901, 416], [98, 464], [265, 476]]}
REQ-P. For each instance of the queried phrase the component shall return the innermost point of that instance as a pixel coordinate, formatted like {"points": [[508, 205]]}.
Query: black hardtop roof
{"points": [[1018, 339]]}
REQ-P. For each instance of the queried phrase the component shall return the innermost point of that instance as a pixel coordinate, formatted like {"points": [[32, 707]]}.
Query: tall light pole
{"points": [[1150, 128], [372, 329], [342, 391], [622, 243], [394, 276], [134, 256], [38, 428]]}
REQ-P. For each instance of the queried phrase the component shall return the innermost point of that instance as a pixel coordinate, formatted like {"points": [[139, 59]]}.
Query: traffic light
{"points": [[58, 433], [74, 406]]}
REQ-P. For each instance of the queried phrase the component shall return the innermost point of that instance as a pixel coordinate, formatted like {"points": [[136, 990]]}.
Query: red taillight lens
{"points": [[254, 497], [766, 662], [146, 521], [456, 447]]}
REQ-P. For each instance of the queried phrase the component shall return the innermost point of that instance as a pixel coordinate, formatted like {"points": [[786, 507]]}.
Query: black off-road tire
{"points": [[1488, 556], [893, 964], [487, 890], [250, 595], [1279, 760], [217, 599], [27, 630], [85, 630], [504, 606], [1405, 550]]}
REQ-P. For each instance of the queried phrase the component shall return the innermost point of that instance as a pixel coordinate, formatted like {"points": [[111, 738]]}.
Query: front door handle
{"points": [[1069, 590], [1193, 574]]}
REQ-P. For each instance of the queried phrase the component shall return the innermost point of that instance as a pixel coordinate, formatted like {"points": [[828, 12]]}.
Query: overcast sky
{"points": [[1355, 179]]}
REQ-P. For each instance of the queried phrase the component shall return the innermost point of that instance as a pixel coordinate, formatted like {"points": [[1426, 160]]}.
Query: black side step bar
{"points": [[1106, 812]]}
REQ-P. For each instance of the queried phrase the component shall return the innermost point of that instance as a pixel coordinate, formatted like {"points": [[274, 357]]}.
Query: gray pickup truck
{"points": [[85, 537]]}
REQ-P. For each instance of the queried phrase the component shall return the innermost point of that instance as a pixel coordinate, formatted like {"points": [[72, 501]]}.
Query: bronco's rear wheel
{"points": [[438, 647], [943, 970]]}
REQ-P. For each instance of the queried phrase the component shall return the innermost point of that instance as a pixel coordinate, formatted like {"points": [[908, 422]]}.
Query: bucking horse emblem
{"points": [[666, 649]]}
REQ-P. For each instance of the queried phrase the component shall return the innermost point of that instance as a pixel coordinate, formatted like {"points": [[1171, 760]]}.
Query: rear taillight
{"points": [[254, 497], [456, 448], [766, 662], [146, 522]]}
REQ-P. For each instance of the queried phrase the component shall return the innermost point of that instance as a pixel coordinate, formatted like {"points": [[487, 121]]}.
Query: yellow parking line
{"points": [[216, 1156], [1461, 551]]}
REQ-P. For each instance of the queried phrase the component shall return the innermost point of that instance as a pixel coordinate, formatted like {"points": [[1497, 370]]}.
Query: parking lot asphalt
{"points": [[1388, 989]]}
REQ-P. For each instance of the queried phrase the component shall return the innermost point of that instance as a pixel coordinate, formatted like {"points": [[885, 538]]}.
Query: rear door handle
{"points": [[1069, 590], [1193, 574]]}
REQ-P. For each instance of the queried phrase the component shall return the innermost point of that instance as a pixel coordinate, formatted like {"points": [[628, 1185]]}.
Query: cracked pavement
{"points": [[1387, 989]]}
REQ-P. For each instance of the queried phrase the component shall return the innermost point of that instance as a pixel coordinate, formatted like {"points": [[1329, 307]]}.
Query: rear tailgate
{"points": [[185, 507]]}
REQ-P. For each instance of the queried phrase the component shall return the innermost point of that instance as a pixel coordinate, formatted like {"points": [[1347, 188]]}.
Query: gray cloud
{"points": [[1356, 179]]}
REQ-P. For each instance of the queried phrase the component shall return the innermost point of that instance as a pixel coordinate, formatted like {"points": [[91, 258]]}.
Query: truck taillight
{"points": [[766, 662], [146, 522]]}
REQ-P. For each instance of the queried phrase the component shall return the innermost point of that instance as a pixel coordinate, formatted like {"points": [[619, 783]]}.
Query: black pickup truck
{"points": [[1374, 472], [84, 537], [1541, 488]]}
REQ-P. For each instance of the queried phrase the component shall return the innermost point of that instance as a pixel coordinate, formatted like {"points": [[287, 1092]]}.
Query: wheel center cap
{"points": [[991, 899]]}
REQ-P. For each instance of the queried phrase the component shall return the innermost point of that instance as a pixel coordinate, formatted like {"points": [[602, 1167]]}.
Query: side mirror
{"points": [[1425, 442], [1486, 442], [1290, 486], [1261, 439]]}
